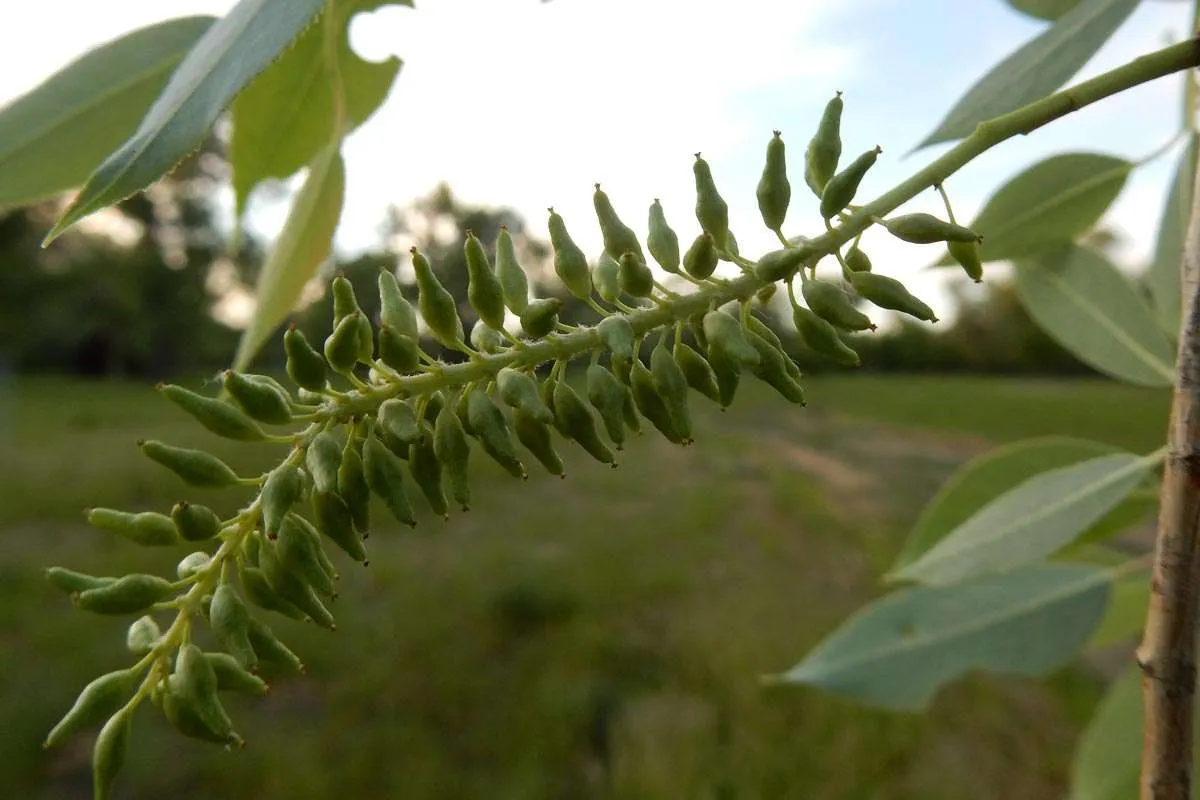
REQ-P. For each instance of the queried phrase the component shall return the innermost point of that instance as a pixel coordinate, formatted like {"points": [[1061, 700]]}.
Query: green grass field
{"points": [[599, 636]]}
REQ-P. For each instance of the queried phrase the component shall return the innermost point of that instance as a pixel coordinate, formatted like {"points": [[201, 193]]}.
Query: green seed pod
{"points": [[352, 486], [607, 395], [539, 317], [260, 400], [215, 415], [433, 407], [71, 582], [606, 277], [569, 261], [453, 450], [635, 277], [229, 619], [131, 594], [513, 281], [395, 311], [731, 248], [398, 421], [149, 528], [190, 701], [194, 522], [535, 437], [519, 390], [291, 587], [927, 229], [484, 292], [333, 518], [967, 256], [728, 374], [696, 371], [460, 410], [779, 265], [259, 592], [890, 293], [576, 422], [757, 326], [99, 700], [651, 404], [774, 191], [700, 260], [672, 386], [299, 553], [344, 301], [822, 337], [662, 241], [142, 635], [323, 459], [842, 187], [427, 473], [830, 303], [618, 237], [279, 494], [193, 466], [629, 410], [192, 563], [490, 426], [485, 339], [725, 333], [400, 352], [315, 535], [825, 148], [342, 345], [271, 650], [232, 677], [772, 369], [305, 365], [616, 334], [547, 393], [108, 754], [622, 365], [711, 211], [437, 305], [856, 260]]}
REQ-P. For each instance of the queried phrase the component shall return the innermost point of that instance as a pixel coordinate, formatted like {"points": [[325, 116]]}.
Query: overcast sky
{"points": [[527, 104]]}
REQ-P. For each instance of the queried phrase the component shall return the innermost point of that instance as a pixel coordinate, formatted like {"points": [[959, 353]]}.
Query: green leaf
{"points": [[1126, 614], [1030, 522], [53, 137], [1038, 68], [1048, 205], [1108, 758], [302, 246], [1165, 274], [230, 53], [898, 651], [984, 479], [1089, 307], [283, 119], [1044, 9]]}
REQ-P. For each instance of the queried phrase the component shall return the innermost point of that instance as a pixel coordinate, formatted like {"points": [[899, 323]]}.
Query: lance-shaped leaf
{"points": [[302, 246], [288, 113], [54, 136], [898, 651], [1044, 9], [230, 53], [1089, 307], [1165, 276], [1126, 613], [1035, 70], [1108, 758], [1031, 521]]}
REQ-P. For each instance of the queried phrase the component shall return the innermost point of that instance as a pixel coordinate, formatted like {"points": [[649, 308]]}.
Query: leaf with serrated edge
{"points": [[302, 246], [1028, 523], [230, 53], [1164, 280], [1092, 309], [1040, 66], [899, 650], [54, 136]]}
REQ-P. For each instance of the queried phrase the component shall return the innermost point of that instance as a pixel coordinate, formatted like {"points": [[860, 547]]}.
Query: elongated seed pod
{"points": [[772, 369], [342, 345], [490, 426], [513, 281], [856, 260], [71, 582], [314, 535], [924, 228], [271, 650], [344, 301], [260, 401], [606, 278], [453, 450], [353, 489], [712, 212], [539, 317], [484, 292], [782, 264], [841, 188], [727, 371], [825, 148], [830, 303], [757, 326], [333, 519], [650, 404], [230, 621], [142, 635], [149, 528], [460, 410], [394, 309], [190, 701], [725, 333], [426, 472], [890, 293], [130, 594], [217, 416], [193, 466], [98, 700], [576, 422], [299, 554], [570, 264], [635, 277], [822, 337], [547, 393], [607, 394], [535, 437], [108, 753], [323, 459], [398, 424], [618, 237], [305, 365], [662, 242], [280, 492], [672, 386], [259, 592], [967, 256], [486, 339], [233, 677], [700, 260], [291, 587], [696, 371], [400, 352], [194, 522], [437, 305], [629, 411], [192, 563], [616, 334], [519, 390], [774, 191]]}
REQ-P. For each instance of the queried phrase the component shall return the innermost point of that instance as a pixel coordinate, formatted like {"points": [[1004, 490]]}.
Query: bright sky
{"points": [[527, 104]]}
